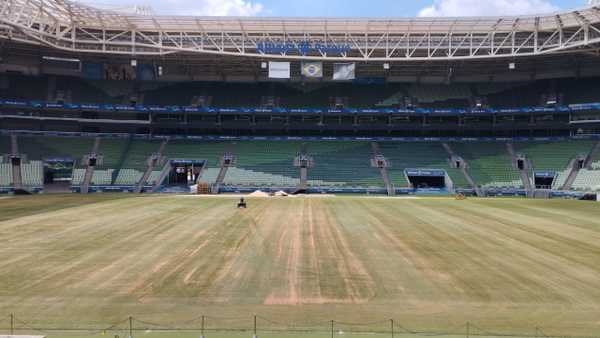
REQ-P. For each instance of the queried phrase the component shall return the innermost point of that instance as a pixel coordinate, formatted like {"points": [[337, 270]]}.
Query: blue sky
{"points": [[363, 7], [333, 8]]}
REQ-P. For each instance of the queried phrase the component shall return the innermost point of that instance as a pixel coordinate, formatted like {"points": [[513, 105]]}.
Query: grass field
{"points": [[503, 265]]}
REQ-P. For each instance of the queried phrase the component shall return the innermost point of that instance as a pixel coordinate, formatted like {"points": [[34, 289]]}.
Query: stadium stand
{"points": [[490, 164], [343, 164], [418, 156], [32, 174], [134, 163], [210, 151], [202, 150], [6, 179], [264, 163], [554, 157], [78, 175], [40, 147], [587, 180]]}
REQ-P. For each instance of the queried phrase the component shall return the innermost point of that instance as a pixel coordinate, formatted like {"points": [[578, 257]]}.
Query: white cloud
{"points": [[187, 7], [454, 8]]}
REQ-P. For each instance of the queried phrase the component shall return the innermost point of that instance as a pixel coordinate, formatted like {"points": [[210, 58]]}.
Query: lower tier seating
{"points": [[553, 156], [32, 174], [418, 155], [339, 163], [490, 164], [128, 177], [587, 180], [6, 175]]}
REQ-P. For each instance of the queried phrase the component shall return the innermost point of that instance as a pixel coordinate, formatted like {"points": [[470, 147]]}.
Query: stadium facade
{"points": [[478, 105]]}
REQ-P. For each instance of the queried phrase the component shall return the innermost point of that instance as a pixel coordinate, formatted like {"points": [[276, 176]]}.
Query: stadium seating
{"points": [[553, 156], [40, 147], [343, 164], [418, 156], [102, 177], [271, 163], [78, 175], [32, 174], [258, 160], [209, 175], [6, 175], [561, 178], [241, 177], [154, 177], [588, 180], [128, 177], [201, 150], [490, 165], [134, 161]]}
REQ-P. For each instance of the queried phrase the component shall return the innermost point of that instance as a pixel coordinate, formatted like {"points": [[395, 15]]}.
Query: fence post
{"points": [[12, 324], [332, 329], [392, 324], [255, 335], [202, 328], [537, 332], [130, 327]]}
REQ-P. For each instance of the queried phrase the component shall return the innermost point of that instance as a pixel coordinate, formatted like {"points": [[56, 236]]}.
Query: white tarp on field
{"points": [[279, 70]]}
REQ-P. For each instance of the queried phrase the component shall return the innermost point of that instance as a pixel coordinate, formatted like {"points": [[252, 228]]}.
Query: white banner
{"points": [[279, 70], [344, 71], [312, 69]]}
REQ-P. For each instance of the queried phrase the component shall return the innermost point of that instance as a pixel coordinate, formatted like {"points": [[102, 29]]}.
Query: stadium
{"points": [[191, 176]]}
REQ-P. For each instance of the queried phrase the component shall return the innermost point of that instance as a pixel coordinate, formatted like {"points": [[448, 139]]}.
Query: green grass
{"points": [[504, 265]]}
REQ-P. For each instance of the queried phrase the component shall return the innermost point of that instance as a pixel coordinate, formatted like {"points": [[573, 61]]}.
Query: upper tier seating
{"points": [[490, 164]]}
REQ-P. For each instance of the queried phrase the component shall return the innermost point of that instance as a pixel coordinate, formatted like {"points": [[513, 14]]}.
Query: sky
{"points": [[337, 8]]}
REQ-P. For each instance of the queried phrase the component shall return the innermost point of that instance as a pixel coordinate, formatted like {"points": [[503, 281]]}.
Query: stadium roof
{"points": [[74, 27]]}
